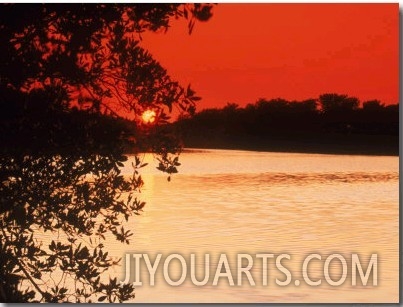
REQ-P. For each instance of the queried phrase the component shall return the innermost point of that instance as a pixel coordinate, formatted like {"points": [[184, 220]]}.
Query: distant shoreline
{"points": [[301, 151], [372, 145]]}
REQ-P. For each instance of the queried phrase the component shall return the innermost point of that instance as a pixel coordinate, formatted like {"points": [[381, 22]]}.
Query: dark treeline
{"points": [[67, 78], [332, 123], [41, 123]]}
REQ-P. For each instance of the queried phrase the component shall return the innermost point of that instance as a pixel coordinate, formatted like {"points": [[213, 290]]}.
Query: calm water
{"points": [[253, 202]]}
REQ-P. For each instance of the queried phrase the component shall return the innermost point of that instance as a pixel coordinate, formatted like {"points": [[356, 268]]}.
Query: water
{"points": [[235, 202]]}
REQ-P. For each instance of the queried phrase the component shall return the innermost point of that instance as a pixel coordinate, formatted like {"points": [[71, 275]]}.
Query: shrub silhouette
{"points": [[68, 74]]}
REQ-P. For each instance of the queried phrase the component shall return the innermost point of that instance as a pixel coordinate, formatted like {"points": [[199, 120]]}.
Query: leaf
{"points": [[102, 298], [191, 25]]}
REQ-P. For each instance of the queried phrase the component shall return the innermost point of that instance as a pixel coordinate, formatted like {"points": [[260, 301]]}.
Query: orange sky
{"points": [[292, 51]]}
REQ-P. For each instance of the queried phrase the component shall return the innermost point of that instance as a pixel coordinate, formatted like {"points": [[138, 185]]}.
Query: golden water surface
{"points": [[232, 202]]}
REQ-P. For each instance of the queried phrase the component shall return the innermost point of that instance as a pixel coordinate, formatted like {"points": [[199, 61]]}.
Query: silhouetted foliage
{"points": [[68, 72], [373, 106], [297, 124], [331, 103]]}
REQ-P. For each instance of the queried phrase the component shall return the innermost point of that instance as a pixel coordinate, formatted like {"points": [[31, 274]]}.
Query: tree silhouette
{"points": [[68, 73], [332, 103], [372, 105], [332, 123]]}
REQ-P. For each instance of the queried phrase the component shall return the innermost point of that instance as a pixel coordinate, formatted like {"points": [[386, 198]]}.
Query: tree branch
{"points": [[21, 265]]}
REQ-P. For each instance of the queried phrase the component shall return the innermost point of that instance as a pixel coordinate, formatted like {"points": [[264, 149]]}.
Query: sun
{"points": [[148, 116]]}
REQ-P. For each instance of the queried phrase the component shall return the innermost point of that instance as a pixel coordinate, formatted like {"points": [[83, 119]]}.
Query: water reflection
{"points": [[237, 201], [301, 178]]}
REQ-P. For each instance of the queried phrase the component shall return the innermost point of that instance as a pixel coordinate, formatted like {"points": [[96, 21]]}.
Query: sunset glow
{"points": [[148, 116], [230, 153], [293, 51]]}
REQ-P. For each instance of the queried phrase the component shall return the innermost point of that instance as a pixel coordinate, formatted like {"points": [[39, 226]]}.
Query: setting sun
{"points": [[148, 116]]}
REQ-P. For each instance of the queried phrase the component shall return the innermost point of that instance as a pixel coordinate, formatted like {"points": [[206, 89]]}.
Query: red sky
{"points": [[293, 51]]}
